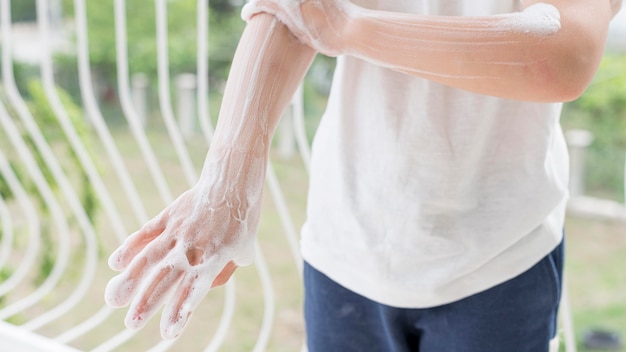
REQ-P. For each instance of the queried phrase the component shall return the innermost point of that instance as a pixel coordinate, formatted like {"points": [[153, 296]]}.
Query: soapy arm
{"points": [[549, 51], [546, 52], [199, 240]]}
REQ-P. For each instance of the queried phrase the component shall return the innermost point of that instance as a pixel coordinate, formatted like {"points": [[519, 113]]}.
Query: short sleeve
{"points": [[286, 11], [279, 8]]}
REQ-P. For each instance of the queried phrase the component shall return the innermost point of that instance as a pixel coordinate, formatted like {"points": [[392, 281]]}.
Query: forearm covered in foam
{"points": [[547, 52], [267, 67]]}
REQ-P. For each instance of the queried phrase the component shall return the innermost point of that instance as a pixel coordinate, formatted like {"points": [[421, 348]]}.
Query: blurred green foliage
{"points": [[225, 26], [47, 120], [5, 193], [602, 111], [37, 103], [23, 10]]}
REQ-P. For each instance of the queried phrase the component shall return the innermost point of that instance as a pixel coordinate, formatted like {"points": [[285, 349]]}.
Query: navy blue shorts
{"points": [[519, 315]]}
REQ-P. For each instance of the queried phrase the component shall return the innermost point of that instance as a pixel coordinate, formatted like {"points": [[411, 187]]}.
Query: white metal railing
{"points": [[36, 318], [34, 326], [581, 204]]}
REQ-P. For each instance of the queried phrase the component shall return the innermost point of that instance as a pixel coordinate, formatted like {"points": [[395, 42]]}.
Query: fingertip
{"points": [[135, 320], [139, 313], [169, 334], [173, 325], [115, 260], [118, 291]]}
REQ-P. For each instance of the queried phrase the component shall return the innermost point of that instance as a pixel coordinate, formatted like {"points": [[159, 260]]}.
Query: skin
{"points": [[531, 67], [199, 240]]}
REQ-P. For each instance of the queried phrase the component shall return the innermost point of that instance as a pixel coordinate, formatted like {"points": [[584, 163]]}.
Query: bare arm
{"points": [[198, 241], [527, 60], [548, 52]]}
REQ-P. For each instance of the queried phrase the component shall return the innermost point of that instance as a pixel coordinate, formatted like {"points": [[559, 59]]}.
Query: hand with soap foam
{"points": [[198, 241], [191, 246]]}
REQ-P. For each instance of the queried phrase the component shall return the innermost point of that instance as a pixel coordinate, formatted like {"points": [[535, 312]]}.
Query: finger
{"points": [[121, 289], [194, 286], [156, 289], [136, 242], [223, 277]]}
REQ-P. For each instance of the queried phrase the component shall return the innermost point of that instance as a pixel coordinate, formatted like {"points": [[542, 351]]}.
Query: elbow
{"points": [[569, 63], [565, 77], [569, 89], [576, 75]]}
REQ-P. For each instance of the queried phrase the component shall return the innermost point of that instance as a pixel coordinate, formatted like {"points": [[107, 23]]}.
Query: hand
{"points": [[194, 244], [322, 24]]}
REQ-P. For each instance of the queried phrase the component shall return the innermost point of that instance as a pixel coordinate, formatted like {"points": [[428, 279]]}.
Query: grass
{"points": [[596, 277]]}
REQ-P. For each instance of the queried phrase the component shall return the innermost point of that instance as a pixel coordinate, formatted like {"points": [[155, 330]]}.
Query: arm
{"points": [[198, 241], [520, 57], [548, 52]]}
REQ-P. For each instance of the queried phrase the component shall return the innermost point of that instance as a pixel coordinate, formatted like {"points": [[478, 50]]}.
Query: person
{"points": [[438, 178]]}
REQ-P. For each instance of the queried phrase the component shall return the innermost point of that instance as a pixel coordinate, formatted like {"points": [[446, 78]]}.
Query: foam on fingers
{"points": [[119, 291], [155, 290], [122, 288], [193, 287], [136, 242]]}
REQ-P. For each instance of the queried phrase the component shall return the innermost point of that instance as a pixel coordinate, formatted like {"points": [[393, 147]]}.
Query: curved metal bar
{"points": [[15, 339], [567, 321], [86, 326], [60, 177], [71, 134], [31, 255], [300, 127], [89, 234], [285, 218], [34, 242], [115, 341], [32, 168], [54, 207], [268, 300], [61, 115], [127, 106], [7, 231], [100, 126], [162, 346], [164, 94], [226, 318], [202, 76]]}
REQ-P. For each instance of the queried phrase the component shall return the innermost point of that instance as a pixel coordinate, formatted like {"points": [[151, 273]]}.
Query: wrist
{"points": [[234, 170]]}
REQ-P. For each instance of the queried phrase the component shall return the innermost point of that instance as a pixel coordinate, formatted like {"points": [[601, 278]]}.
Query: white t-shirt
{"points": [[422, 194]]}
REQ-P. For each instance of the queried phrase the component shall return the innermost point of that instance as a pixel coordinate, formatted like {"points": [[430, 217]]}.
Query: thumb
{"points": [[223, 277]]}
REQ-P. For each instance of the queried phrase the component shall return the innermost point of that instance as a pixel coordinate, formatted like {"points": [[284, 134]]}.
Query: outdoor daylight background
{"points": [[596, 245]]}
